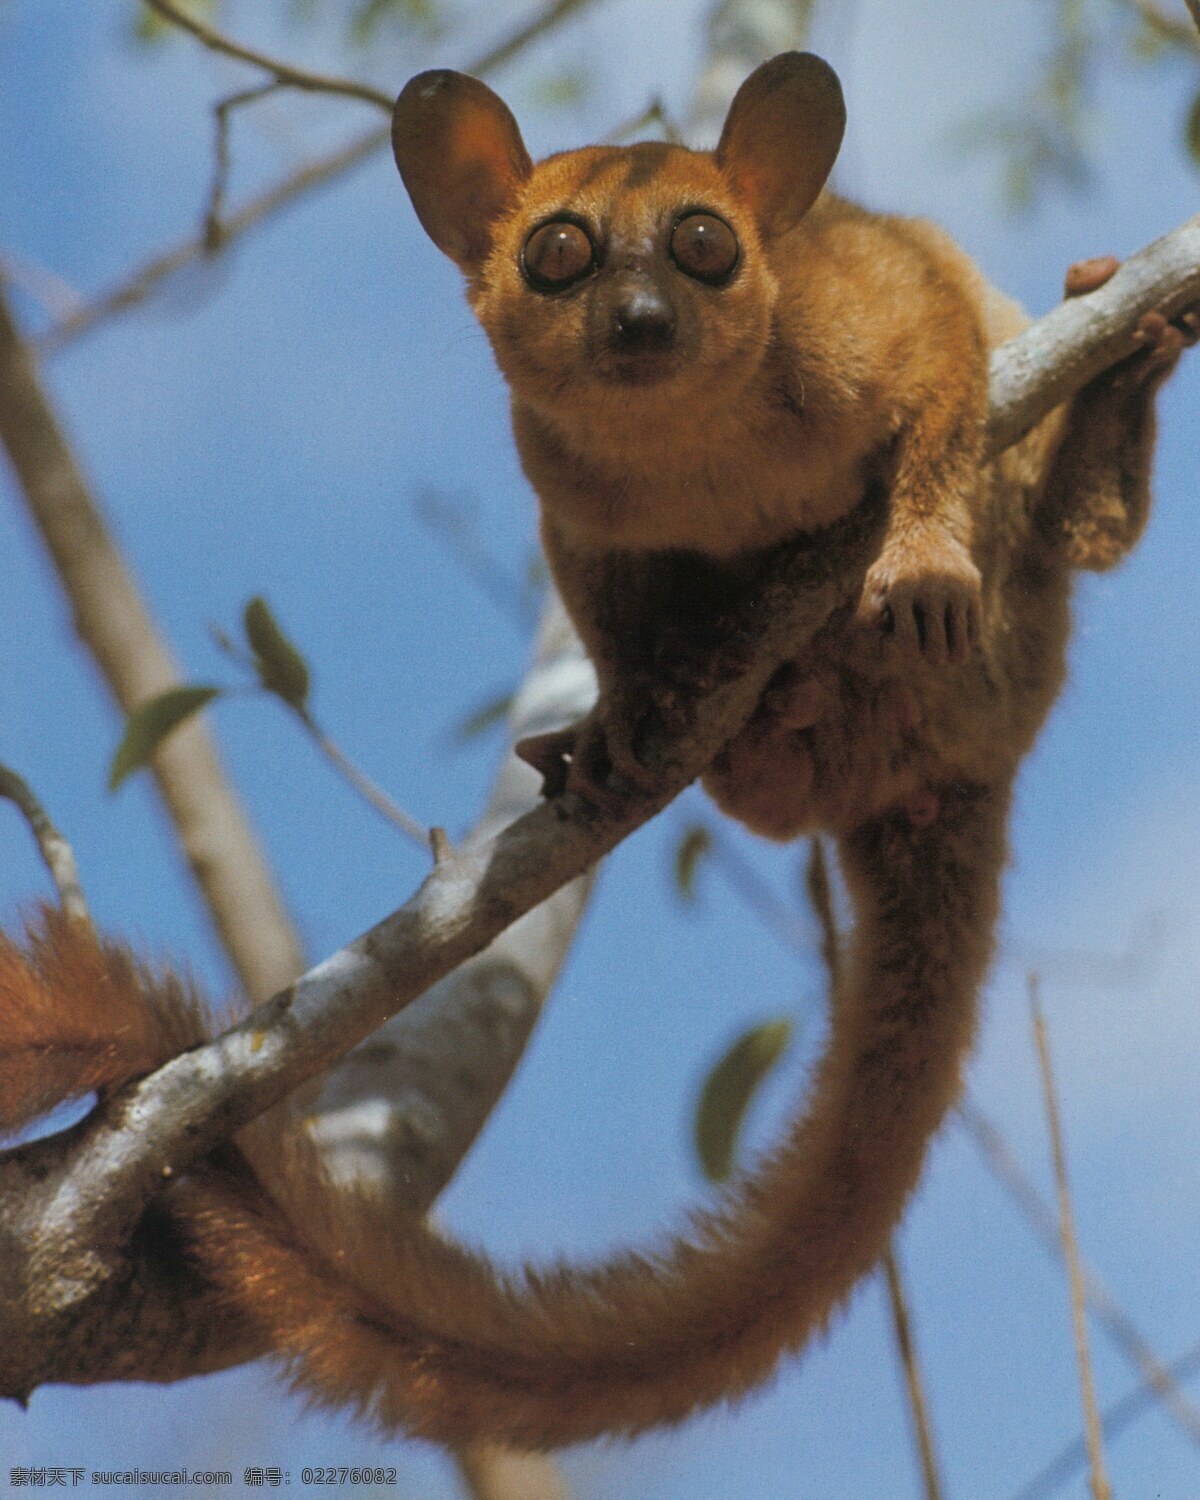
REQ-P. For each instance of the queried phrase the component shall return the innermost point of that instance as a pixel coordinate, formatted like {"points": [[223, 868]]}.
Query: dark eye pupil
{"points": [[556, 254], [704, 247]]}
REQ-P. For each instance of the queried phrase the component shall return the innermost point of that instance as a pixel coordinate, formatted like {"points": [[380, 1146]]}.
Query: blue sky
{"points": [[266, 427]]}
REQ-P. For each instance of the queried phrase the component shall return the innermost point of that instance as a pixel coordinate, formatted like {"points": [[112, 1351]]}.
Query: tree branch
{"points": [[1166, 27], [136, 286], [56, 852], [115, 625], [401, 1111], [1061, 352], [282, 72], [1111, 1316]]}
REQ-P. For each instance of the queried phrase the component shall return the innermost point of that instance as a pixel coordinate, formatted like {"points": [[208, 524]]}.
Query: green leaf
{"points": [[1192, 131], [485, 717], [281, 668], [728, 1091], [149, 725], [695, 844]]}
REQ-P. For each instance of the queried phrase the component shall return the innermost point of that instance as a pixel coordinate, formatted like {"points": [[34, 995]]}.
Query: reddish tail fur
{"points": [[424, 1337]]}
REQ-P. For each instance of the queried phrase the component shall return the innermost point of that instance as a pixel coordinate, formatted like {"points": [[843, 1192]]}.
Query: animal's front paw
{"points": [[1162, 339], [926, 593], [594, 758]]}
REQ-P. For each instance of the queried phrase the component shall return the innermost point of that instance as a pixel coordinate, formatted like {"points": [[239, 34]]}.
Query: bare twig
{"points": [[918, 1406], [54, 294], [820, 895], [136, 286], [655, 113], [282, 72], [1113, 1420], [213, 226], [1101, 1489], [374, 795], [1004, 1166], [57, 853]]}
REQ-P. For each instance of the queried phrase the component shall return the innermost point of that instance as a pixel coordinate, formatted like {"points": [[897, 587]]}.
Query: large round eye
{"points": [[705, 247], [557, 254]]}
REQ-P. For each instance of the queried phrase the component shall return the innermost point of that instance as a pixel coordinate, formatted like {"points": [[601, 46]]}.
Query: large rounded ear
{"points": [[462, 159], [781, 137]]}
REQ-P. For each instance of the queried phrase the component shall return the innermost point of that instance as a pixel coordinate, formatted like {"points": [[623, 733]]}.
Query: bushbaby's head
{"points": [[627, 276]]}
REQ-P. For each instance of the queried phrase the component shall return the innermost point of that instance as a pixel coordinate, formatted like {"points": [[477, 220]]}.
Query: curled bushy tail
{"points": [[78, 1014], [425, 1337]]}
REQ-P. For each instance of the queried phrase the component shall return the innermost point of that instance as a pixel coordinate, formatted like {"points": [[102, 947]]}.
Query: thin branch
{"points": [[820, 895], [52, 292], [1101, 1489], [656, 114], [136, 286], [1113, 1420], [1005, 1168], [213, 226], [372, 794], [57, 853], [538, 26], [282, 72], [917, 1404]]}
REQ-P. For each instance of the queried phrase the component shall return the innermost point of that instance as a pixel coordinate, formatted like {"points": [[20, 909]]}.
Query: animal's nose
{"points": [[643, 321]]}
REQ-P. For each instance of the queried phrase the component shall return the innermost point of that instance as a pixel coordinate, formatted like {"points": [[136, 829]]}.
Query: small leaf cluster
{"points": [[279, 666]]}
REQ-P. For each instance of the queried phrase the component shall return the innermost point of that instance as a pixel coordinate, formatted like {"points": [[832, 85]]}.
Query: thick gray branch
{"points": [[1061, 352], [403, 1108]]}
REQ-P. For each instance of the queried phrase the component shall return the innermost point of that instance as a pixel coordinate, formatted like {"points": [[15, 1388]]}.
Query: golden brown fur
{"points": [[676, 431]]}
